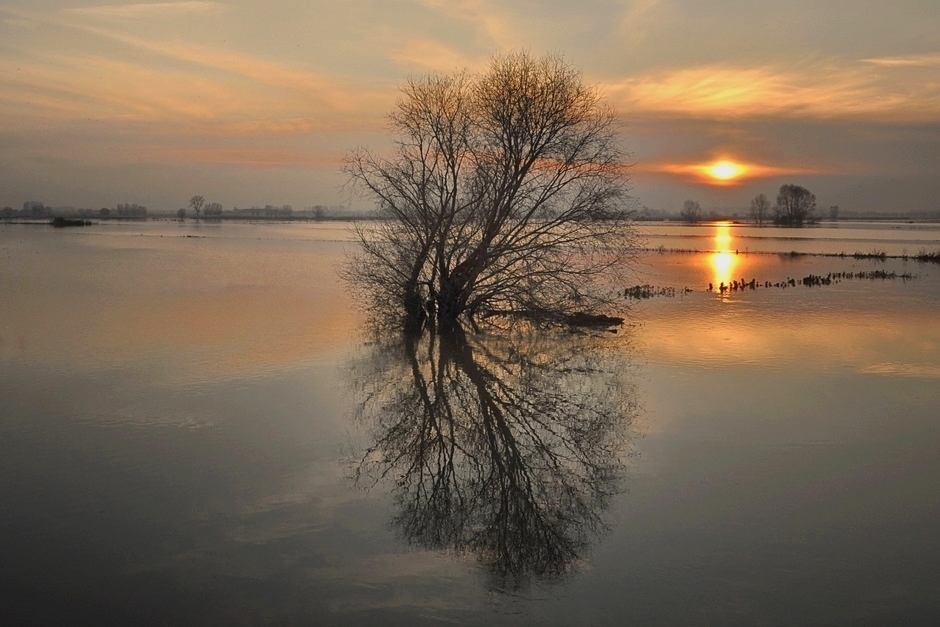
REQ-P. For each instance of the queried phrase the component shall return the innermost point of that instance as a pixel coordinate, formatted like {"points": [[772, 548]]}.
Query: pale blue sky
{"points": [[255, 102]]}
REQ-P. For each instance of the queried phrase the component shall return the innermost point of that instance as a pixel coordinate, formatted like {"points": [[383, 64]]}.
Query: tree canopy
{"points": [[691, 212], [196, 202], [795, 205], [760, 208], [505, 196]]}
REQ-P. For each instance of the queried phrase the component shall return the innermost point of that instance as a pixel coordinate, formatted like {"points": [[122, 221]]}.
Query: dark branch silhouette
{"points": [[760, 209], [506, 448], [505, 196], [795, 206]]}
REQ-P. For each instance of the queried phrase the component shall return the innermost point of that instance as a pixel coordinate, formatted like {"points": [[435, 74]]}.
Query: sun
{"points": [[724, 171]]}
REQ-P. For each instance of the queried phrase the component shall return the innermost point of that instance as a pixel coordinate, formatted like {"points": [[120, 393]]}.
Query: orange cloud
{"points": [[819, 90], [724, 171], [427, 54], [178, 84], [913, 60], [228, 95]]}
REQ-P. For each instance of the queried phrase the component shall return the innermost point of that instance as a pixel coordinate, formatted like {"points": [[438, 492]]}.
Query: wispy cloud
{"points": [[176, 83], [273, 101], [912, 60], [815, 90], [640, 18], [428, 54], [149, 10], [490, 20], [65, 86]]}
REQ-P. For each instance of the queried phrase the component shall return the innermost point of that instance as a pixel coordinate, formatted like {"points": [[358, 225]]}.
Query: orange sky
{"points": [[254, 103]]}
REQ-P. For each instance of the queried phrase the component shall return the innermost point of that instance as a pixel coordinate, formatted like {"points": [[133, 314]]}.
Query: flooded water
{"points": [[195, 429]]}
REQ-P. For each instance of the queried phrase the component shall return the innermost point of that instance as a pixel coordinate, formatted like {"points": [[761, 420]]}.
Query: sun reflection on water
{"points": [[724, 260]]}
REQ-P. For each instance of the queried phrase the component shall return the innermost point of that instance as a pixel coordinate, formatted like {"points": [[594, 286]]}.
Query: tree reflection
{"points": [[507, 448]]}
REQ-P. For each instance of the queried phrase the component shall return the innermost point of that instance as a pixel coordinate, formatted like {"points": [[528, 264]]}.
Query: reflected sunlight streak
{"points": [[723, 260]]}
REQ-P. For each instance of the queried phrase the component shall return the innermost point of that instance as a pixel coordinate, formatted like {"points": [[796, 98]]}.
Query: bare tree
{"points": [[196, 202], [213, 210], [795, 205], [691, 212], [506, 196], [833, 213], [760, 209]]}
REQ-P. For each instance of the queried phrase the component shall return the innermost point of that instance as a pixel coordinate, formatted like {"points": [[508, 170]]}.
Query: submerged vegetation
{"points": [[810, 280], [61, 222], [643, 292]]}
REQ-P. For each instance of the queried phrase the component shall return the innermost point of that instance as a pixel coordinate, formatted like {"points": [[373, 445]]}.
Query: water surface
{"points": [[182, 439]]}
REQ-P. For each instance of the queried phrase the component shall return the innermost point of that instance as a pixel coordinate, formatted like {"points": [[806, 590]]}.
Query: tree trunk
{"points": [[448, 302]]}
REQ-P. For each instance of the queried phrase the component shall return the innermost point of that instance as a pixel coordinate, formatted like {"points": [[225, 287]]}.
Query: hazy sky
{"points": [[254, 102]]}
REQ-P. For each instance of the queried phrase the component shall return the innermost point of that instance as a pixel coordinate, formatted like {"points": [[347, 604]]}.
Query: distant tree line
{"points": [[214, 210], [31, 209], [202, 209], [131, 210], [36, 210], [795, 206], [198, 207], [268, 211]]}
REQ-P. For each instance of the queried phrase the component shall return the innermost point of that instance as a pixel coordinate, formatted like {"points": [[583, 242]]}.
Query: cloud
{"points": [[490, 22], [69, 87], [913, 60], [428, 54], [20, 23], [701, 172], [827, 91], [179, 84], [274, 101], [149, 10], [641, 19]]}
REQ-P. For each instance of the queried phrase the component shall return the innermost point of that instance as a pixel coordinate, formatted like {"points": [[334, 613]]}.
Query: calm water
{"points": [[195, 430]]}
